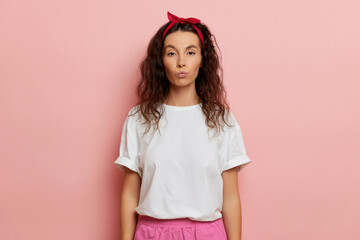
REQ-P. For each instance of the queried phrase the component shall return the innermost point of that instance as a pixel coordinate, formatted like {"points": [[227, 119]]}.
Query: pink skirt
{"points": [[179, 229]]}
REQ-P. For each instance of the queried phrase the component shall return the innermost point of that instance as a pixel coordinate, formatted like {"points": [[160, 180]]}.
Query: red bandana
{"points": [[174, 19]]}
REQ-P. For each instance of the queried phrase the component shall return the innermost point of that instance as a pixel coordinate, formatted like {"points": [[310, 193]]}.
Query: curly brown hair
{"points": [[153, 87]]}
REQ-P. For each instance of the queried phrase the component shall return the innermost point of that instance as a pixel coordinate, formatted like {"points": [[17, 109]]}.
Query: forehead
{"points": [[182, 39]]}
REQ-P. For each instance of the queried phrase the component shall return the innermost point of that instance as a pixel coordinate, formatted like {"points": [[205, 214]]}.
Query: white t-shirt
{"points": [[181, 168]]}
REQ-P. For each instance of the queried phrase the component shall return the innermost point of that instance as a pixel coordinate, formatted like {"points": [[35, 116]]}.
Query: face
{"points": [[182, 53]]}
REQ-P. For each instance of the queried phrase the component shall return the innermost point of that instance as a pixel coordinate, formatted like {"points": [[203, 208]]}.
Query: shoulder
{"points": [[231, 120], [132, 116], [134, 110]]}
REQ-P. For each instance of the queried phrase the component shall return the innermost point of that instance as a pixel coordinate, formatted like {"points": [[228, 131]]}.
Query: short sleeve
{"points": [[129, 147], [234, 152]]}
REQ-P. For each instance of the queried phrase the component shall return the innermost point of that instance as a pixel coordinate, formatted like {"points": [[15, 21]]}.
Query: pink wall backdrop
{"points": [[68, 72]]}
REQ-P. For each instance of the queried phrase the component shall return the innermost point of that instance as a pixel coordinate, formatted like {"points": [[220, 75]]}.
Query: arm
{"points": [[231, 204], [129, 201]]}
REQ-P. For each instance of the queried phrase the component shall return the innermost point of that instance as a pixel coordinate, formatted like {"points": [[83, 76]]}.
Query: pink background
{"points": [[68, 72]]}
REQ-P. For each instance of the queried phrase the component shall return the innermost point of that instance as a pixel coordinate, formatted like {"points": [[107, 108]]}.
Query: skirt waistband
{"points": [[178, 222]]}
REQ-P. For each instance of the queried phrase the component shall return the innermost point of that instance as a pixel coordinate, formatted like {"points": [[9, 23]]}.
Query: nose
{"points": [[181, 65], [180, 61]]}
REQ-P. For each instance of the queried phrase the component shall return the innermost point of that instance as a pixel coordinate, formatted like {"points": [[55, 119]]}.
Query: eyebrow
{"points": [[190, 46]]}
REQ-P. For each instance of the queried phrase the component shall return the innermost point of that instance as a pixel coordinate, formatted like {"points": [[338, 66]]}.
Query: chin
{"points": [[182, 84]]}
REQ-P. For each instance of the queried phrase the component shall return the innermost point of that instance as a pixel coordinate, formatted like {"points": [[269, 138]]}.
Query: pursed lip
{"points": [[181, 74]]}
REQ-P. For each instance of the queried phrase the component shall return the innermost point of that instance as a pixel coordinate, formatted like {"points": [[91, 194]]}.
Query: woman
{"points": [[181, 181]]}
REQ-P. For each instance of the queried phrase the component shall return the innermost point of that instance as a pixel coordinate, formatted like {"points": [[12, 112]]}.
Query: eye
{"points": [[192, 53], [171, 54]]}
